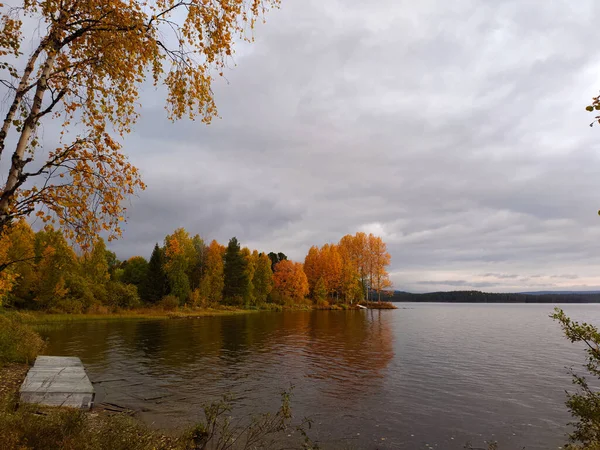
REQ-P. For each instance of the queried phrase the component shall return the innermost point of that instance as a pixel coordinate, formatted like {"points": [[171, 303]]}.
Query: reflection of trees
{"points": [[345, 349], [351, 348], [90, 341], [358, 342]]}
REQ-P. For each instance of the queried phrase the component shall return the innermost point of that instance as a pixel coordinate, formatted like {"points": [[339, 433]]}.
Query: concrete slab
{"points": [[57, 361], [58, 381]]}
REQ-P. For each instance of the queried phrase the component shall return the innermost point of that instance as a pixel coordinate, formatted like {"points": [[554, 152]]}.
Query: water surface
{"points": [[423, 376]]}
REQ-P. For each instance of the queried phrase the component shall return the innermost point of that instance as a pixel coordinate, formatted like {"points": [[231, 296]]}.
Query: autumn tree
{"points": [[7, 277], [95, 264], [313, 267], [290, 281], [179, 257], [235, 289], [324, 264], [20, 258], [56, 260], [355, 251], [84, 73], [156, 280], [251, 261], [377, 259], [263, 278], [380, 259], [211, 285], [332, 269]]}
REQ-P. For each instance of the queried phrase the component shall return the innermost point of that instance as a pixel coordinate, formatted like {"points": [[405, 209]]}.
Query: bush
{"points": [[67, 306], [25, 428], [169, 303], [583, 404], [322, 304], [121, 295], [18, 342]]}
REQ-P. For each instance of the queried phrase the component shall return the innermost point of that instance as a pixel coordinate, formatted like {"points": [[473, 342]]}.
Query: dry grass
{"points": [[18, 342], [140, 313]]}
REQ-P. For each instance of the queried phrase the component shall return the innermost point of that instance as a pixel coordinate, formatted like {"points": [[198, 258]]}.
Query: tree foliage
{"points": [[236, 282], [290, 281], [584, 404], [84, 73], [349, 269], [156, 282], [47, 273]]}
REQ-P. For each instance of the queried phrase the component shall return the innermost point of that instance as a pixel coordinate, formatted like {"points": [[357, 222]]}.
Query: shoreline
{"points": [[41, 317]]}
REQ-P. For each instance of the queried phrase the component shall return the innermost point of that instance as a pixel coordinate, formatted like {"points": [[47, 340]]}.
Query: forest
{"points": [[489, 297], [44, 271]]}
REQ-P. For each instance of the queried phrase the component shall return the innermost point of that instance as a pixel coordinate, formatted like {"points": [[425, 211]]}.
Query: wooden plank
{"points": [[58, 381]]}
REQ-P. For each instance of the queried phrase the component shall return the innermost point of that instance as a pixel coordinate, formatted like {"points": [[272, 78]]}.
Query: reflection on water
{"points": [[435, 375], [166, 369]]}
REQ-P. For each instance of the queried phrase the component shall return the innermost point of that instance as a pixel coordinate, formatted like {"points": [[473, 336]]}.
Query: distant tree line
{"points": [[487, 297], [43, 271]]}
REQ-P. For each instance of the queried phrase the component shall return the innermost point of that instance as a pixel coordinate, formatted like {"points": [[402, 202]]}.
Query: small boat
{"points": [[362, 307]]}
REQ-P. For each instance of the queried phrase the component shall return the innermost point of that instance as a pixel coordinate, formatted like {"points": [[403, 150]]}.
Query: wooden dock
{"points": [[58, 381]]}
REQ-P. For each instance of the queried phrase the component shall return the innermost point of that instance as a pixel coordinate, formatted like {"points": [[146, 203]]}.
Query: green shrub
{"points": [[169, 303], [18, 342], [67, 306], [121, 295]]}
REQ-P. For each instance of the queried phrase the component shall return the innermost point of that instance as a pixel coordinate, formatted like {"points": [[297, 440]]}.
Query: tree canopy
{"points": [[84, 74]]}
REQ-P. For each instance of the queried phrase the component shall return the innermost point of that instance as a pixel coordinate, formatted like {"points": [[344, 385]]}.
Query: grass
{"points": [[35, 317], [18, 342]]}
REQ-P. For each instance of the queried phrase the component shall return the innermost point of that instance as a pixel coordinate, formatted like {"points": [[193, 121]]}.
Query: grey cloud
{"points": [[458, 129]]}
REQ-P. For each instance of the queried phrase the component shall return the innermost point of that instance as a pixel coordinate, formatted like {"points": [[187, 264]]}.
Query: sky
{"points": [[456, 131]]}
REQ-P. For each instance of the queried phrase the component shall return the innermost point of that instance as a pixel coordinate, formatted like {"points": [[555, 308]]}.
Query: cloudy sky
{"points": [[455, 130]]}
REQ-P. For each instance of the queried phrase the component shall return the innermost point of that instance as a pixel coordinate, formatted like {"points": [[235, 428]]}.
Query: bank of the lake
{"points": [[37, 317]]}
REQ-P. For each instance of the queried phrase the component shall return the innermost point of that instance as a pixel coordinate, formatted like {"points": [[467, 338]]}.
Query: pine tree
{"points": [[156, 280], [235, 272], [275, 258]]}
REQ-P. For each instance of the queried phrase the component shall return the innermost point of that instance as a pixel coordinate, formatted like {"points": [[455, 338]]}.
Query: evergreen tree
{"points": [[235, 273], [156, 280], [275, 258], [198, 263]]}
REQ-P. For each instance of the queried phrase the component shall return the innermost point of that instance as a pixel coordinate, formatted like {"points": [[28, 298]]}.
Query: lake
{"points": [[422, 376]]}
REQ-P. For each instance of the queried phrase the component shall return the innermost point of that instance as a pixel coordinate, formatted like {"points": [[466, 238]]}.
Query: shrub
{"points": [[18, 342], [71, 429], [169, 303], [67, 306], [28, 427], [322, 304], [121, 295], [583, 404]]}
